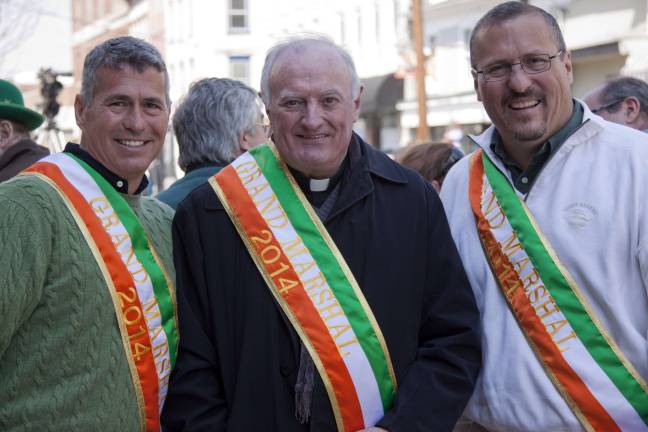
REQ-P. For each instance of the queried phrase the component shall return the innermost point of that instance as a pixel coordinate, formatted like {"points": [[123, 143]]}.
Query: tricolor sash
{"points": [[589, 370], [139, 286], [312, 284]]}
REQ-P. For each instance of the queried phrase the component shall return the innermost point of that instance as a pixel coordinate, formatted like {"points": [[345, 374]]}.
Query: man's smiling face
{"points": [[312, 109], [124, 125], [526, 109]]}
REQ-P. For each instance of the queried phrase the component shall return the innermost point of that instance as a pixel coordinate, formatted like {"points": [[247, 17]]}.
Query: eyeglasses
{"points": [[266, 128], [531, 64], [607, 106]]}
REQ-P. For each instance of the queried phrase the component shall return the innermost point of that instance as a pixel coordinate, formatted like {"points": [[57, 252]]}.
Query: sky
{"points": [[45, 40]]}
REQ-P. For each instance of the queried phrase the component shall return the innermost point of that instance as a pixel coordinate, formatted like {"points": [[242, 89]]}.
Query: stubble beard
{"points": [[530, 132]]}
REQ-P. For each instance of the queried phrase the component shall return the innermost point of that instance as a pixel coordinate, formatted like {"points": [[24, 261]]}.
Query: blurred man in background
{"points": [[17, 150], [216, 121], [621, 100]]}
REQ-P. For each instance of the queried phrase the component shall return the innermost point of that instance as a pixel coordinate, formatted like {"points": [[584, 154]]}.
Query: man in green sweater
{"points": [[87, 308]]}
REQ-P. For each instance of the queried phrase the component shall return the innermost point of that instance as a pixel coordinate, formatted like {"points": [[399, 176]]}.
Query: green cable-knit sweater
{"points": [[62, 362]]}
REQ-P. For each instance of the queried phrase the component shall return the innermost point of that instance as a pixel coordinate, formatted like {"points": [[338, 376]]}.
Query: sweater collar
{"points": [[120, 184]]}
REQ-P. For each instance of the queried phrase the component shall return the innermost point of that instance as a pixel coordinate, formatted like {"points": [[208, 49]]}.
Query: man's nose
{"points": [[312, 118], [518, 79], [135, 120]]}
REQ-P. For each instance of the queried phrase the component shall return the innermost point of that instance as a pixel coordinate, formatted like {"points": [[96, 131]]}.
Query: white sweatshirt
{"points": [[591, 202]]}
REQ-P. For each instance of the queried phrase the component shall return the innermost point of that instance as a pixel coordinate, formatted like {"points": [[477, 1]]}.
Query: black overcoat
{"points": [[238, 358]]}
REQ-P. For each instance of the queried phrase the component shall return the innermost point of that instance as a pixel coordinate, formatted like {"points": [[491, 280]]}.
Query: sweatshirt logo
{"points": [[579, 215]]}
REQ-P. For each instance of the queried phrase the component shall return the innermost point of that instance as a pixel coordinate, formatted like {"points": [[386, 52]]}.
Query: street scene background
{"points": [[43, 43]]}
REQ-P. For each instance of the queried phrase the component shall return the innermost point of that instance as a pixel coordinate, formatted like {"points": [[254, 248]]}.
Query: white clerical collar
{"points": [[319, 185]]}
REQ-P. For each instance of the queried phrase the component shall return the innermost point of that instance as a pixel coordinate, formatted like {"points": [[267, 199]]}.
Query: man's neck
{"points": [[522, 152], [643, 124], [121, 184]]}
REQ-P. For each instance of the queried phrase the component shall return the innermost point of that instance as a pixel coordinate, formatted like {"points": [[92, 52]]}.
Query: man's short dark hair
{"points": [[618, 89], [509, 11], [116, 53]]}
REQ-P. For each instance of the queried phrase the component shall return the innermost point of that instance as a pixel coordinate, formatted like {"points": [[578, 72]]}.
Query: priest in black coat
{"points": [[241, 365]]}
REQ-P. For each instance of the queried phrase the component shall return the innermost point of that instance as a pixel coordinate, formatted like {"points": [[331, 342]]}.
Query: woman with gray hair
{"points": [[215, 122]]}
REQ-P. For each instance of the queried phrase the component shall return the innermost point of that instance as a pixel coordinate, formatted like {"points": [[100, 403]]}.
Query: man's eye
{"points": [[496, 69], [291, 103], [328, 101], [535, 60], [118, 103]]}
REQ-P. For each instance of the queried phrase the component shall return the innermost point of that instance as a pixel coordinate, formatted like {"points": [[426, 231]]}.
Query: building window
{"points": [[240, 68], [238, 16]]}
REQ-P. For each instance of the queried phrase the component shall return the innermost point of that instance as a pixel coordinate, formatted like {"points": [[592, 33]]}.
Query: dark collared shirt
{"points": [[523, 179], [120, 184]]}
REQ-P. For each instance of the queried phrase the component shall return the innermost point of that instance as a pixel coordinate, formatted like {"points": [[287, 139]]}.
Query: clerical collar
{"points": [[120, 184], [310, 185], [319, 185]]}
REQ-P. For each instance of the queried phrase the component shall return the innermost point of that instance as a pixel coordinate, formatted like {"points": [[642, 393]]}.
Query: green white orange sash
{"points": [[139, 286], [311, 282], [600, 385]]}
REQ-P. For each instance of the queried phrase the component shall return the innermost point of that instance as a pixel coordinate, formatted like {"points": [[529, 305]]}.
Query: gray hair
{"points": [[209, 119], [509, 11], [618, 89], [298, 42], [116, 53]]}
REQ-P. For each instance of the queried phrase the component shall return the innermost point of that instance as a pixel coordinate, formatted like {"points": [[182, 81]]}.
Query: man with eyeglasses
{"points": [[551, 220], [622, 100]]}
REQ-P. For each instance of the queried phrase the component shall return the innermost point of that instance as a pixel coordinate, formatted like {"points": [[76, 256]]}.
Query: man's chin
{"points": [[529, 134]]}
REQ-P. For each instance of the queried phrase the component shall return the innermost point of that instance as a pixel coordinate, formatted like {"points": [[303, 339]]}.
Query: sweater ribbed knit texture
{"points": [[62, 362]]}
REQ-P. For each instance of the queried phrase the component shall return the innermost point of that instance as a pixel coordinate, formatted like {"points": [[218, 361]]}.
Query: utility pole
{"points": [[422, 132]]}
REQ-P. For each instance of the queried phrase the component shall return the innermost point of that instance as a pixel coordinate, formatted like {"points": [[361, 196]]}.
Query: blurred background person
{"points": [[621, 100], [431, 160], [17, 150], [215, 122]]}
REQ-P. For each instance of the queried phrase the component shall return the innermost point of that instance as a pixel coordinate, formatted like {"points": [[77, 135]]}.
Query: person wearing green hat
{"points": [[17, 150]]}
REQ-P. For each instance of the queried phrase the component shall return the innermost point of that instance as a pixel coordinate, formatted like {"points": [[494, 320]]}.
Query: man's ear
{"points": [[476, 85], [568, 66], [244, 142], [6, 132], [356, 104], [79, 110], [631, 108]]}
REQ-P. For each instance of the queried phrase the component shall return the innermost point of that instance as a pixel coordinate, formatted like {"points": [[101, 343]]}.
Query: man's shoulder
{"points": [[617, 139], [29, 200], [27, 190], [381, 165], [202, 197], [152, 204]]}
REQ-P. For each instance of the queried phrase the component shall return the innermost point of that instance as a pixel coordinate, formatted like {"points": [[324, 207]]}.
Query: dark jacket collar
{"points": [[363, 162], [120, 184], [21, 146], [379, 164], [357, 182]]}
